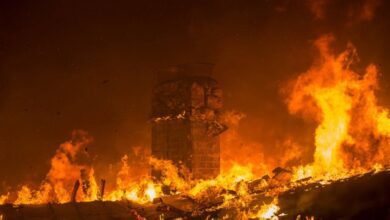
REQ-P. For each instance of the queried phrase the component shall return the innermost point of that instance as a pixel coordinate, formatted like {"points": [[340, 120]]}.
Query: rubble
{"points": [[364, 196]]}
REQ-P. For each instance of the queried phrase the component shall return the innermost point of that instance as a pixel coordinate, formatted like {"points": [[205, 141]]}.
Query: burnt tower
{"points": [[186, 107]]}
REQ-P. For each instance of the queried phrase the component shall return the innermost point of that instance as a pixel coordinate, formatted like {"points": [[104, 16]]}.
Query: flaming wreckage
{"points": [[349, 178], [364, 196]]}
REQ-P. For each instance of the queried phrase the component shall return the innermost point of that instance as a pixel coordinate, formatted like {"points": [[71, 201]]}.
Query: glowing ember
{"points": [[150, 192], [3, 199], [268, 211]]}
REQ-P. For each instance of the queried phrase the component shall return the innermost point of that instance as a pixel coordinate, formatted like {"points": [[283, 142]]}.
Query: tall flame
{"points": [[353, 131], [352, 136], [64, 171]]}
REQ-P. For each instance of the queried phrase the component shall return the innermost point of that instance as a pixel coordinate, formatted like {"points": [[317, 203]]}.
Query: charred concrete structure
{"points": [[186, 107]]}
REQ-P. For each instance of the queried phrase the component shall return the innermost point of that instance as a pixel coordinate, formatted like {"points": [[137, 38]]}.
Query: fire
{"points": [[353, 131], [3, 198], [29, 196], [235, 150], [268, 211], [141, 192], [352, 136], [150, 192], [138, 191], [64, 171]]}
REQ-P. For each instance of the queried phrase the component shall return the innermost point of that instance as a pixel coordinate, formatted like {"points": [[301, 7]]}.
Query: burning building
{"points": [[186, 123], [186, 107], [348, 178]]}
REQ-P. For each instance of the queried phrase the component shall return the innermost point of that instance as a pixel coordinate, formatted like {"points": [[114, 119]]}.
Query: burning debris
{"points": [[343, 198], [348, 178]]}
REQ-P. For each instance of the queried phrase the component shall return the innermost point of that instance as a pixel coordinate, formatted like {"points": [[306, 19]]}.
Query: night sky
{"points": [[91, 65]]}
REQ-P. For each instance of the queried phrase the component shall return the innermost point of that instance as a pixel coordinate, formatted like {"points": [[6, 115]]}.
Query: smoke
{"points": [[364, 11], [356, 11], [238, 150], [318, 8]]}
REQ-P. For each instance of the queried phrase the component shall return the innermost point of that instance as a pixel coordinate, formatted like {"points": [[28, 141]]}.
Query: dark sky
{"points": [[91, 65]]}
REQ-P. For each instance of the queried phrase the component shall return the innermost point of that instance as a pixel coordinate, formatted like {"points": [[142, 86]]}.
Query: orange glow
{"points": [[351, 137], [344, 104], [268, 211], [3, 199]]}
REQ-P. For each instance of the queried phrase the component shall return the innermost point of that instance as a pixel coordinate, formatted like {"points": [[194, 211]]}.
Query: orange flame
{"points": [[353, 130], [352, 136], [63, 173]]}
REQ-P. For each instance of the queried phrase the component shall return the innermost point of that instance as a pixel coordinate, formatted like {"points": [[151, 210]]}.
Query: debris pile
{"points": [[364, 196]]}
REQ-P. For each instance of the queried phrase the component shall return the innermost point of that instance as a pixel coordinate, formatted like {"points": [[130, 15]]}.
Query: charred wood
{"points": [[74, 191], [360, 197]]}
